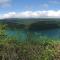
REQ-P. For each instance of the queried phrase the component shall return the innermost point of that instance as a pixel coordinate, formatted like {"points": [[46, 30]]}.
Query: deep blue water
{"points": [[23, 34]]}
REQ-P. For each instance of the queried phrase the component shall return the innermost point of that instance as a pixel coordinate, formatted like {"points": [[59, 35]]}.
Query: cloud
{"points": [[44, 6], [54, 2], [4, 3], [32, 14]]}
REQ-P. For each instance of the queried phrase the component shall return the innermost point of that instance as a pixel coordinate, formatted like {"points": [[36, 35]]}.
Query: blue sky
{"points": [[33, 5], [18, 6]]}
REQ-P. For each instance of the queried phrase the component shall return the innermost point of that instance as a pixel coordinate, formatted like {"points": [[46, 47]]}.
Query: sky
{"points": [[29, 9]]}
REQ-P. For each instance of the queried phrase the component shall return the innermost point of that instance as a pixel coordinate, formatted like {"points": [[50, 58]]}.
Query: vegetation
{"points": [[42, 48], [44, 25], [32, 24]]}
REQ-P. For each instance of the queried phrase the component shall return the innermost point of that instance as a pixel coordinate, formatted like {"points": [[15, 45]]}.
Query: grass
{"points": [[42, 48]]}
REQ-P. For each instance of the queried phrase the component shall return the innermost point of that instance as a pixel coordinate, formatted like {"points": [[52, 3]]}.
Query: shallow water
{"points": [[22, 35]]}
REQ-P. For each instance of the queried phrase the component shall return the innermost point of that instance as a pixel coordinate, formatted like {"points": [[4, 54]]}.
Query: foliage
{"points": [[13, 50], [36, 48]]}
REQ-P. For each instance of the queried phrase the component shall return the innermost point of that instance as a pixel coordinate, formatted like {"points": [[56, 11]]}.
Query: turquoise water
{"points": [[22, 35]]}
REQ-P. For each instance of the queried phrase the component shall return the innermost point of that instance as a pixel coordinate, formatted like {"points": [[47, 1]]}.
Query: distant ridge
{"points": [[28, 20], [32, 23]]}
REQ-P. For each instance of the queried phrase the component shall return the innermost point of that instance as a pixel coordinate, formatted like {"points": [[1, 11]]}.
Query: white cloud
{"points": [[43, 6], [54, 2], [32, 14], [4, 2]]}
